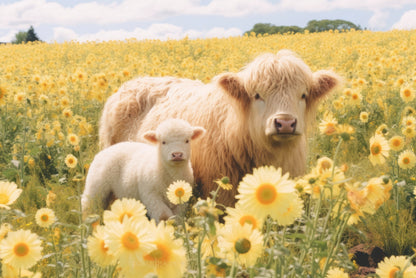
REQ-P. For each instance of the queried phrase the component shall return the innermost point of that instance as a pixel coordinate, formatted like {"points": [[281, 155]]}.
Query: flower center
{"points": [[44, 217], [266, 194], [130, 241], [396, 143], [406, 160], [249, 219], [179, 192], [393, 271], [407, 93], [4, 198], [375, 149], [21, 249], [242, 245], [326, 165]]}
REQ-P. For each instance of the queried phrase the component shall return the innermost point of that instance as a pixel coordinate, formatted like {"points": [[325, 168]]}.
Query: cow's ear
{"points": [[324, 81], [151, 137], [233, 85]]}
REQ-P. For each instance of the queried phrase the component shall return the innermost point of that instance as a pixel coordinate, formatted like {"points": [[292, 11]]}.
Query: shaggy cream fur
{"points": [[258, 116]]}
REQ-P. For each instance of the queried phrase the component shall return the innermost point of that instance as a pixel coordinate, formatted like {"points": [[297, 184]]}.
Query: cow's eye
{"points": [[186, 141], [163, 142], [303, 96], [257, 96]]}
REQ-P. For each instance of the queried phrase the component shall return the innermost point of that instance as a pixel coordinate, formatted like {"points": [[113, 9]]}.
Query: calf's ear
{"points": [[150, 136], [233, 85], [198, 132], [324, 81]]}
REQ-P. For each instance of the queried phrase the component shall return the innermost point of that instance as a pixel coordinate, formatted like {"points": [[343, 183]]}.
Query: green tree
{"points": [[26, 36], [326, 25]]}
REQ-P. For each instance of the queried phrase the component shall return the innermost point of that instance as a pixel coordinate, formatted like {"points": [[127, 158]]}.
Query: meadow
{"points": [[360, 187]]}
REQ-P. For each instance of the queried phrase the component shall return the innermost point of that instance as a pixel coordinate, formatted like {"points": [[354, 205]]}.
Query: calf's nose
{"points": [[177, 156], [284, 126]]}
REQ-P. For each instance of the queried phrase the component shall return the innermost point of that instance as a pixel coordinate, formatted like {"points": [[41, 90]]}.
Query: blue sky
{"points": [[82, 20]]}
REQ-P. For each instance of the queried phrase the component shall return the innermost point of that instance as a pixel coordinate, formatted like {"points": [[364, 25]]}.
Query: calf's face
{"points": [[277, 96], [174, 140]]}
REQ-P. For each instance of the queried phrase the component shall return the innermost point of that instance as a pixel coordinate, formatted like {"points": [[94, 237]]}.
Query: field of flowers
{"points": [[360, 187]]}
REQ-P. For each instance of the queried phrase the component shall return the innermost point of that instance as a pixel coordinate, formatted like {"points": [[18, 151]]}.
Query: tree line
{"points": [[26, 36], [313, 26]]}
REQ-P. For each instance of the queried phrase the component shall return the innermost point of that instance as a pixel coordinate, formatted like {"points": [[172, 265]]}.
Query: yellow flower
{"points": [[409, 131], [407, 160], [293, 212], [345, 131], [129, 208], [224, 183], [407, 94], [67, 113], [379, 149], [364, 117], [356, 98], [45, 217], [73, 139], [179, 192], [396, 143], [20, 97], [336, 272], [21, 249], [8, 194], [324, 164], [266, 192], [71, 161], [242, 216], [241, 243], [97, 250], [129, 241], [409, 121], [169, 257], [328, 125], [395, 264]]}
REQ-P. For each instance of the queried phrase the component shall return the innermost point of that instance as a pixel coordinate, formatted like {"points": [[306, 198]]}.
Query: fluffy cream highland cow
{"points": [[258, 116]]}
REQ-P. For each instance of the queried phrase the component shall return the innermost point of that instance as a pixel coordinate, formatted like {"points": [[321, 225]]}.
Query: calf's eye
{"points": [[163, 142], [257, 96], [187, 141], [303, 96]]}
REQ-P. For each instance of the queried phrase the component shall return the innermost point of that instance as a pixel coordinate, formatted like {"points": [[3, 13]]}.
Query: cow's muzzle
{"points": [[285, 124]]}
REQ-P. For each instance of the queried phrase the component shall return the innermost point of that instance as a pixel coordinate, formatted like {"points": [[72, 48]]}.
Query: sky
{"points": [[86, 20]]}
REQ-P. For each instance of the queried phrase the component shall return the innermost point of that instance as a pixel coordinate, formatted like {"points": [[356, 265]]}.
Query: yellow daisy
{"points": [[97, 250], [242, 243], [266, 192], [356, 98], [129, 241], [45, 217], [407, 160], [224, 183], [379, 149], [73, 139], [395, 264], [409, 131], [8, 194], [179, 192], [21, 249], [71, 161], [336, 272], [407, 94], [169, 257], [364, 117], [242, 216], [396, 143], [129, 208], [409, 121], [324, 164], [328, 125]]}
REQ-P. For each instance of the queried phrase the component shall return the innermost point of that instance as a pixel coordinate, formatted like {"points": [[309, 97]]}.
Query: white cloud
{"points": [[8, 37], [378, 20], [407, 21], [155, 31]]}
